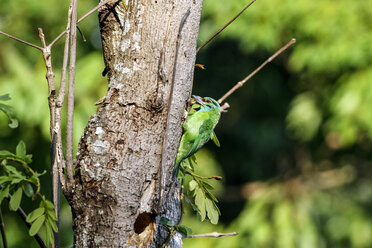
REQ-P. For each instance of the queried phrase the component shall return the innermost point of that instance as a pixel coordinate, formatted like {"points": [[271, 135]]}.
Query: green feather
{"points": [[215, 139], [198, 128]]}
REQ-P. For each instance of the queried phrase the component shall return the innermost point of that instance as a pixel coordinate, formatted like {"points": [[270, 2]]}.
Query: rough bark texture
{"points": [[126, 155]]}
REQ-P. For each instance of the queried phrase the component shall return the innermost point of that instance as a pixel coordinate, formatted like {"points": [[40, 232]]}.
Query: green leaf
{"points": [[52, 223], [190, 164], [28, 158], [49, 234], [210, 196], [200, 203], [212, 212], [36, 175], [17, 180], [21, 149], [14, 172], [194, 207], [47, 204], [27, 188], [35, 227], [218, 210], [35, 214], [6, 154], [4, 192], [8, 111], [40, 174], [52, 214], [183, 230], [193, 158], [192, 185], [165, 221], [15, 201], [214, 138], [207, 185], [4, 179], [5, 97]]}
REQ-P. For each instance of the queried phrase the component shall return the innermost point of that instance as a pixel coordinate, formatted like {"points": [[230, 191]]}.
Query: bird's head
{"points": [[207, 102]]}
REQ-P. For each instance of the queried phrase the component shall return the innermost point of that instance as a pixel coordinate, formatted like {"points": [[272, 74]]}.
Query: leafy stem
{"points": [[189, 172]]}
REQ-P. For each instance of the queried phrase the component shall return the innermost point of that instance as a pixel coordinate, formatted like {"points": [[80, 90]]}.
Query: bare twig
{"points": [[80, 19], [59, 159], [52, 109], [22, 41], [81, 33], [242, 82], [70, 96], [50, 79], [213, 234], [225, 26], [224, 107]]}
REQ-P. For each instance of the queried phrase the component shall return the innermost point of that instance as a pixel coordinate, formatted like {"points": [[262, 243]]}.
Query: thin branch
{"points": [[81, 33], [213, 234], [70, 96], [50, 79], [81, 18], [22, 41], [224, 107], [208, 178], [23, 216], [2, 229], [242, 82], [225, 26], [59, 159], [62, 88], [47, 55]]}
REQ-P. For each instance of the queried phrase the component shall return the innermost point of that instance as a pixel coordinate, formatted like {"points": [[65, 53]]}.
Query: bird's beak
{"points": [[198, 99]]}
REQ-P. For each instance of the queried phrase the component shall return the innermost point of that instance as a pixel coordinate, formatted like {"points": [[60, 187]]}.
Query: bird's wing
{"points": [[204, 135]]}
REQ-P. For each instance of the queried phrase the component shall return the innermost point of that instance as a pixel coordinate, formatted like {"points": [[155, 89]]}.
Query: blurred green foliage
{"points": [[295, 144]]}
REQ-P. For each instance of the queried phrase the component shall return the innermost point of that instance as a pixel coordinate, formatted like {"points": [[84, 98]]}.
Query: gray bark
{"points": [[126, 155]]}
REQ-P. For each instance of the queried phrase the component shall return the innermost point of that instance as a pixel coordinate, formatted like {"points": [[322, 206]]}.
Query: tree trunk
{"points": [[126, 155]]}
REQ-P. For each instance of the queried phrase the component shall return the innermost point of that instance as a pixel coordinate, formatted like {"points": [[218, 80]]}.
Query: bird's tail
{"points": [[175, 171]]}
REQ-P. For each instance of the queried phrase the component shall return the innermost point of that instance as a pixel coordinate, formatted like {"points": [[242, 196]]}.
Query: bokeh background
{"points": [[295, 145]]}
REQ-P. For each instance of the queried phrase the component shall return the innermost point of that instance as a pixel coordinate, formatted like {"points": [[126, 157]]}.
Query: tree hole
{"points": [[142, 221]]}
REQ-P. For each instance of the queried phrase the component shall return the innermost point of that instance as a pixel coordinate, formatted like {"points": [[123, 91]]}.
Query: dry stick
{"points": [[57, 159], [213, 234], [242, 82], [70, 96], [60, 99], [50, 79], [225, 26], [80, 19], [61, 34], [22, 41], [52, 108]]}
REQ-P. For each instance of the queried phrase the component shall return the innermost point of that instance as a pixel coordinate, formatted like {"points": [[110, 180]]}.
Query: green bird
{"points": [[198, 128]]}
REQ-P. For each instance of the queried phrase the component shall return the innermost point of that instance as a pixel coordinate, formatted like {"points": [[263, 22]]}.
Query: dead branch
{"points": [[213, 234], [22, 41], [225, 26], [242, 82]]}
